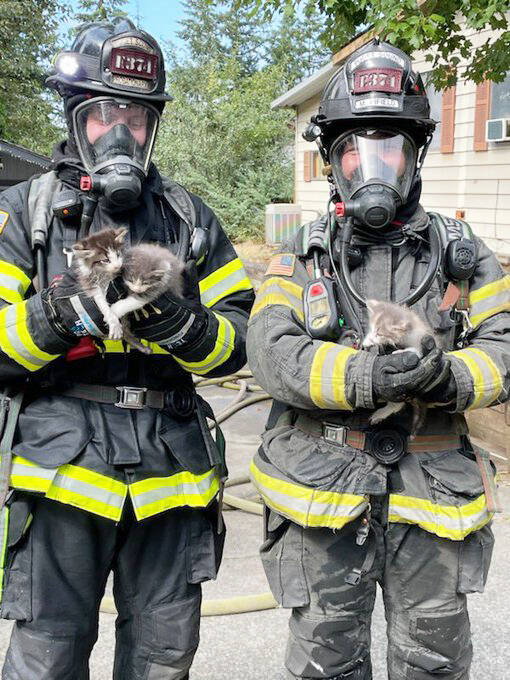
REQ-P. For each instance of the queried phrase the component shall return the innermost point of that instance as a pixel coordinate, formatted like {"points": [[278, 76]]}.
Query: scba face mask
{"points": [[115, 138], [373, 170]]}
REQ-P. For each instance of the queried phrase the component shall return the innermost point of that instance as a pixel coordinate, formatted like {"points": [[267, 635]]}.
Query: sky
{"points": [[157, 17]]}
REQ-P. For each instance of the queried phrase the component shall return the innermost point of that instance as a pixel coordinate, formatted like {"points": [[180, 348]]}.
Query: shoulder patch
{"points": [[4, 216], [282, 265]]}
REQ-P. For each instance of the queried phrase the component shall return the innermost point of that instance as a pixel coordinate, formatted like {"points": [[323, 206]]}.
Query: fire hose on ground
{"points": [[242, 603]]}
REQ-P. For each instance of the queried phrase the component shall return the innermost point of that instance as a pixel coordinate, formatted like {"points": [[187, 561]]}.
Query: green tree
{"points": [[28, 114], [445, 28], [88, 11], [220, 138]]}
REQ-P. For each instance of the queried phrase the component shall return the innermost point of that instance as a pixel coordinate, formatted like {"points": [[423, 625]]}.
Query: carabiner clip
{"points": [[467, 326]]}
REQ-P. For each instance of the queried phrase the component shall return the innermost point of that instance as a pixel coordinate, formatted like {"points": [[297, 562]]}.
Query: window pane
{"points": [[500, 100]]}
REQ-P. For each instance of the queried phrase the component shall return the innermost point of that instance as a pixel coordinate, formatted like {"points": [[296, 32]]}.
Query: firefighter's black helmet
{"points": [[375, 86], [113, 59]]}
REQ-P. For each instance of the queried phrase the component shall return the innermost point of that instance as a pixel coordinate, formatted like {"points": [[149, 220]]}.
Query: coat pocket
{"points": [[16, 558], [282, 559], [51, 431], [451, 475], [474, 560], [204, 548], [185, 442]]}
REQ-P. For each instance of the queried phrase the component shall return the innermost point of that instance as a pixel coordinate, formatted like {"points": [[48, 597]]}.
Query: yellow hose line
{"points": [[229, 605], [243, 504]]}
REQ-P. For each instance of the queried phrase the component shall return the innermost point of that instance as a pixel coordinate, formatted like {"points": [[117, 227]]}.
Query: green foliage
{"points": [[89, 11], [220, 138], [28, 114], [447, 29]]}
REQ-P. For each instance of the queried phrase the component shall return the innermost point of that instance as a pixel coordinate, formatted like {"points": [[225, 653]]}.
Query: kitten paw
{"points": [[114, 327]]}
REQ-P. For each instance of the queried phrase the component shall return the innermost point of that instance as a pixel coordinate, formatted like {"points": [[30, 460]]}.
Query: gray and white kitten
{"points": [[148, 271], [393, 326], [97, 261]]}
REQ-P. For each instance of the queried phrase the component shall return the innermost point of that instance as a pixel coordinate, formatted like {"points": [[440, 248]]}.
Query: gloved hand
{"points": [[70, 311], [400, 375], [173, 321], [442, 388]]}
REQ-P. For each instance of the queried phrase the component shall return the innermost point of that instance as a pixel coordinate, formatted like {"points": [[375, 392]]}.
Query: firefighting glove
{"points": [[442, 389], [70, 311], [400, 375], [171, 321]]}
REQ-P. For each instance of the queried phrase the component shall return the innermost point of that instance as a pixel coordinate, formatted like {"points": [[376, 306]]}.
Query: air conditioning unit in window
{"points": [[498, 130], [282, 221]]}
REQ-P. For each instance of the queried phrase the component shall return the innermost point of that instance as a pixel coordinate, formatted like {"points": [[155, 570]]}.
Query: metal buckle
{"points": [[336, 434], [131, 397]]}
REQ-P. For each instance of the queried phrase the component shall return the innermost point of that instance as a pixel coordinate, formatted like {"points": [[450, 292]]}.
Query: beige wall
{"points": [[475, 181]]}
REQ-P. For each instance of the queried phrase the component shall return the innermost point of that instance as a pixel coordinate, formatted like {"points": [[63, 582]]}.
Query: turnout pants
{"points": [[56, 568], [424, 580]]}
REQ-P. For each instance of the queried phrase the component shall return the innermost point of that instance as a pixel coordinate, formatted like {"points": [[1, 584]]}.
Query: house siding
{"points": [[477, 182]]}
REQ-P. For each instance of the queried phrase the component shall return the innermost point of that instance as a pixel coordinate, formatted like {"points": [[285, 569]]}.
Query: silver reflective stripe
{"points": [[328, 385], [200, 488], [12, 284], [11, 330], [33, 471], [224, 285], [89, 325], [96, 493], [4, 528], [454, 523], [180, 334], [491, 302]]}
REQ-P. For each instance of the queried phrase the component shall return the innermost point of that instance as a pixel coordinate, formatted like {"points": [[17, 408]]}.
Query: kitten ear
{"points": [[120, 235]]}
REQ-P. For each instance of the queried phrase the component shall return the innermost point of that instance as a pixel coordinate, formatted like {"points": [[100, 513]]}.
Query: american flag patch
{"points": [[282, 265]]}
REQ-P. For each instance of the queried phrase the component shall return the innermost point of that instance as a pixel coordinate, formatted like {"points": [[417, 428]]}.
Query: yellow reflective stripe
{"points": [[327, 376], [489, 300], [446, 521], [13, 282], [224, 281], [346, 507], [279, 291], [224, 345], [157, 494], [26, 338], [15, 339], [487, 380], [82, 502]]}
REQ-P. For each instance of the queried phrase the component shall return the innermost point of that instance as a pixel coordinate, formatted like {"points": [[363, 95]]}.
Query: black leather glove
{"points": [[442, 388], [70, 311], [400, 375], [172, 321]]}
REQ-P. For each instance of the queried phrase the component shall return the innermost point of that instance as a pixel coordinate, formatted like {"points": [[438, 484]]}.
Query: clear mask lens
{"points": [[370, 156], [107, 129]]}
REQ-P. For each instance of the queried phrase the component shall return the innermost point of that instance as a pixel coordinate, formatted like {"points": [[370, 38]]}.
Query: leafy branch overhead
{"points": [[473, 35]]}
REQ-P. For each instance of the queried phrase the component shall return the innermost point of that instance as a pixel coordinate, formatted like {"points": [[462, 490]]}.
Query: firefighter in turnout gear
{"points": [[108, 463], [350, 504]]}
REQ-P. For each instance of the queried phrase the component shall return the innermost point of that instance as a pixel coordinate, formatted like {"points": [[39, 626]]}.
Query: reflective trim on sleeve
{"points": [[225, 342], [489, 300], [16, 341], [446, 521], [224, 281], [327, 376], [487, 380], [157, 494], [279, 291], [14, 283], [307, 506]]}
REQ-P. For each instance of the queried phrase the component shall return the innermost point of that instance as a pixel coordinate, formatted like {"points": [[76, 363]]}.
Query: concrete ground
{"points": [[251, 646]]}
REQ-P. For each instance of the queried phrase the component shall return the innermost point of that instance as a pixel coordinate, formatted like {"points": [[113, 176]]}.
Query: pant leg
{"points": [[157, 577], [425, 584], [330, 636], [57, 567]]}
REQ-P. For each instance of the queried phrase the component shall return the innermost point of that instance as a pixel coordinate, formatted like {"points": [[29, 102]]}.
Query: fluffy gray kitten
{"points": [[148, 271], [398, 327], [97, 261]]}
